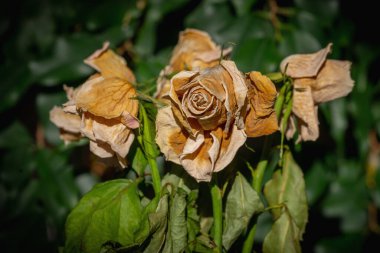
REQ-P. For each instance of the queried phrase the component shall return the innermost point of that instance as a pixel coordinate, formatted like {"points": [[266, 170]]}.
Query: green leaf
{"points": [[176, 239], [316, 180], [243, 6], [158, 222], [260, 54], [287, 187], [242, 202], [325, 10], [15, 136], [283, 237], [352, 243], [193, 226], [298, 42], [16, 79], [210, 16], [111, 211], [66, 61], [347, 197], [139, 161]]}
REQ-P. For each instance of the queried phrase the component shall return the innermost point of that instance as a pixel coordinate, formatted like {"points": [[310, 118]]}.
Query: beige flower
{"points": [[316, 80], [195, 51], [203, 127], [105, 105]]}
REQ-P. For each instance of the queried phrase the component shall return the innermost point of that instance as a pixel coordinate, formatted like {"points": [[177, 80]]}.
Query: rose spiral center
{"points": [[197, 101]]}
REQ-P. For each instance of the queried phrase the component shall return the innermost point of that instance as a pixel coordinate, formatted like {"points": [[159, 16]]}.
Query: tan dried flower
{"points": [[195, 51], [203, 127], [105, 105], [316, 80]]}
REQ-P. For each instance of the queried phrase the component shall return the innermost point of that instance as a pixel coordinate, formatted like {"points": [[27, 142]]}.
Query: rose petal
{"points": [[179, 84], [110, 131], [211, 79], [261, 118], [107, 98], [110, 65], [309, 131], [291, 130], [67, 121], [305, 110], [192, 145], [229, 145], [129, 120], [214, 55], [333, 81], [305, 65], [195, 50], [101, 149], [198, 164], [117, 135], [238, 88], [169, 136]]}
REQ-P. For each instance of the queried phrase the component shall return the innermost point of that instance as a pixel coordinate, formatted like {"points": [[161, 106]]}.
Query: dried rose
{"points": [[106, 105], [316, 80], [195, 50], [203, 127]]}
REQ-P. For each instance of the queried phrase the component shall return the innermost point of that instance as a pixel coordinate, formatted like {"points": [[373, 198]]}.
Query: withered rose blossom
{"points": [[102, 109], [316, 80], [195, 51], [204, 125]]}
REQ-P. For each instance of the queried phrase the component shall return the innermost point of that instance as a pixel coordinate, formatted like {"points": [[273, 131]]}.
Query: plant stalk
{"points": [[217, 209], [146, 142]]}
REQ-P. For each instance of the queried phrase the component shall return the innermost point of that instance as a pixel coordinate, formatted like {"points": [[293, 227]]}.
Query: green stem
{"points": [[147, 142], [155, 176], [248, 244], [217, 209], [257, 175]]}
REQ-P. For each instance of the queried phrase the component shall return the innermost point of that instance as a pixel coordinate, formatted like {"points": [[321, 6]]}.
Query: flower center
{"points": [[199, 100]]}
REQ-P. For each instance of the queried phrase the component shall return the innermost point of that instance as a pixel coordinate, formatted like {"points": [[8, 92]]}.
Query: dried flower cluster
{"points": [[212, 107]]}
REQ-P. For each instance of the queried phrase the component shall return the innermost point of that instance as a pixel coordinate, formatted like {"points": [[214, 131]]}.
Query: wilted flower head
{"points": [[102, 109], [203, 127], [316, 80], [195, 50], [205, 123]]}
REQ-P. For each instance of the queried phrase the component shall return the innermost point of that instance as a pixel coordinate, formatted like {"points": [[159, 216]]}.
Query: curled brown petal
{"points": [[305, 65], [305, 110], [107, 98], [110, 65], [261, 118], [67, 121], [333, 81], [170, 136]]}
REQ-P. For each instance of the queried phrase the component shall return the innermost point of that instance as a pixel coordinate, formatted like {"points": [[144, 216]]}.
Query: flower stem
{"points": [[147, 142], [155, 176], [217, 208]]}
